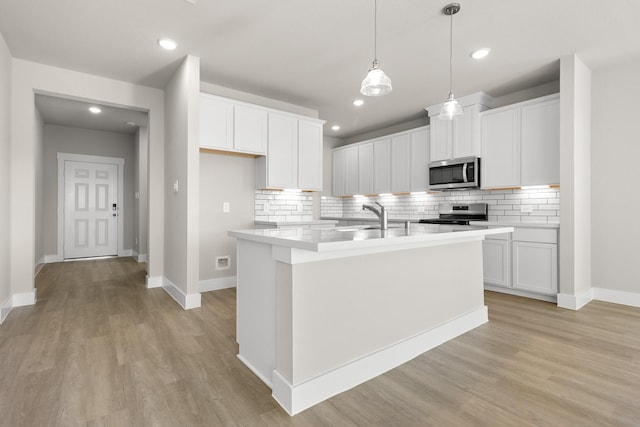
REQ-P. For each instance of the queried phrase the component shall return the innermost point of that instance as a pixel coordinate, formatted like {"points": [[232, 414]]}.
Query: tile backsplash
{"points": [[283, 206], [504, 205]]}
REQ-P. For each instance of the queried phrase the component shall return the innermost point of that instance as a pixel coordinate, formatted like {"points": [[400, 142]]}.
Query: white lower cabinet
{"points": [[497, 260], [525, 263]]}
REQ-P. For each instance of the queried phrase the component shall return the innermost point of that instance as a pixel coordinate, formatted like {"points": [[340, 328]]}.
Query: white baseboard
{"points": [[24, 298], [187, 301], [618, 297], [297, 398], [575, 302], [5, 308], [125, 252], [153, 281], [511, 291], [48, 259], [217, 284], [141, 257]]}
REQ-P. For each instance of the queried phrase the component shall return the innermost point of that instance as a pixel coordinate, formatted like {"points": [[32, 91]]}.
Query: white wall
{"points": [[181, 228], [615, 153], [141, 204], [5, 175], [30, 78], [224, 178], [63, 139], [38, 131], [575, 177]]}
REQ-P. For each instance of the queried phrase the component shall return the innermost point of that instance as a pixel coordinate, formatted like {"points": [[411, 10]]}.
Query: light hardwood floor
{"points": [[99, 349]]}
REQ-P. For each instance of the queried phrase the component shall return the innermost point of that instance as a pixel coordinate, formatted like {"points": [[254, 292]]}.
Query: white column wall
{"points": [[5, 175], [575, 179], [182, 103]]}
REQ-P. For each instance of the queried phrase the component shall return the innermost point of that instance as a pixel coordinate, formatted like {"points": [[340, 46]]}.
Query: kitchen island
{"points": [[320, 311]]}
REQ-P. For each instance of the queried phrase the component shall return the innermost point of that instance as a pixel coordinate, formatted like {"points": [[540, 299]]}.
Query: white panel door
{"points": [[464, 141], [351, 174], [90, 209]]}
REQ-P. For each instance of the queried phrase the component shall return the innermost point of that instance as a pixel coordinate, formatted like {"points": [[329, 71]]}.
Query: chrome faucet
{"points": [[380, 213]]}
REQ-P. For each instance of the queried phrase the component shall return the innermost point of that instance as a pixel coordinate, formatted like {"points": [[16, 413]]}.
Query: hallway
{"points": [[99, 349]]}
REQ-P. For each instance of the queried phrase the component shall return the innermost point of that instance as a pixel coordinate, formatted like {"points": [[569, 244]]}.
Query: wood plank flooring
{"points": [[99, 349]]}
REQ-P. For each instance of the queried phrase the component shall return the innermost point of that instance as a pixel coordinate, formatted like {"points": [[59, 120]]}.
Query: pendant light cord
{"points": [[451, 54], [375, 31]]}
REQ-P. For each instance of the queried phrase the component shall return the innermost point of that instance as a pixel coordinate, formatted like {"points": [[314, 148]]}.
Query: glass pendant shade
{"points": [[450, 108], [376, 83]]}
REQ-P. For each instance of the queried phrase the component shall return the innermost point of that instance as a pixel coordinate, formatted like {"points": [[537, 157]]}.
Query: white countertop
{"points": [[358, 237], [517, 224], [297, 223]]}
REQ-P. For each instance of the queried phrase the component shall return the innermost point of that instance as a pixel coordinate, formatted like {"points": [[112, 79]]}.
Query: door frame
{"points": [[118, 161]]}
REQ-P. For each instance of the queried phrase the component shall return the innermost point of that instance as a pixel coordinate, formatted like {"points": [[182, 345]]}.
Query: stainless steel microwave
{"points": [[455, 174]]}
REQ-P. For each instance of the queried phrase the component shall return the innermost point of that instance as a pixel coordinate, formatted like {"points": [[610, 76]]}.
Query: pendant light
{"points": [[376, 83], [451, 107]]}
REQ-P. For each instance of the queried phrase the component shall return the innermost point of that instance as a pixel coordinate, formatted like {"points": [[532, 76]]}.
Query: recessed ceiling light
{"points": [[167, 44], [480, 53], [335, 127], [95, 110], [358, 102], [130, 124]]}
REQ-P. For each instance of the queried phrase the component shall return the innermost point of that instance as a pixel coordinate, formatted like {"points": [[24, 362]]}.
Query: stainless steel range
{"points": [[459, 213]]}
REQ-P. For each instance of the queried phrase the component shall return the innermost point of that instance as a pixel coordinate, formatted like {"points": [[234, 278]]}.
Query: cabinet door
{"points": [[216, 124], [500, 165], [250, 130], [282, 155], [496, 261], [441, 136], [400, 163], [535, 267], [382, 166], [465, 140], [419, 160], [365, 169], [310, 156], [540, 144], [338, 167], [351, 174]]}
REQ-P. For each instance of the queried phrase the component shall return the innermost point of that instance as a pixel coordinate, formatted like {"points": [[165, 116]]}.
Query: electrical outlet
{"points": [[526, 208], [175, 186], [226, 207]]}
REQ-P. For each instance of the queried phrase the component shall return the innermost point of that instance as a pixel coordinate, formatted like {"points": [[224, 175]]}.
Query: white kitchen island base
{"points": [[314, 323]]}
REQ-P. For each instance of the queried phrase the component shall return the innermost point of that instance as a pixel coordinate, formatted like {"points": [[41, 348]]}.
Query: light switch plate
{"points": [[226, 207]]}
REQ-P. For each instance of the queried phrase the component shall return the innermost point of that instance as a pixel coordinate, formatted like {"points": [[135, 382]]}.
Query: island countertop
{"points": [[360, 237]]}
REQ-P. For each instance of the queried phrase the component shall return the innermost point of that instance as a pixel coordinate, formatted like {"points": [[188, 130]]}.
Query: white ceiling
{"points": [[69, 112], [315, 53]]}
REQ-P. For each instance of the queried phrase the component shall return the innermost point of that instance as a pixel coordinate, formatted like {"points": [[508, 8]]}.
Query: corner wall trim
{"points": [[575, 302], [186, 301], [24, 299], [217, 284], [48, 259], [5, 308], [297, 398], [153, 282], [141, 257], [617, 297]]}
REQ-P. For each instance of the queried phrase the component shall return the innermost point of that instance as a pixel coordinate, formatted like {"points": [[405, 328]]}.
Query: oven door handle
{"points": [[464, 172]]}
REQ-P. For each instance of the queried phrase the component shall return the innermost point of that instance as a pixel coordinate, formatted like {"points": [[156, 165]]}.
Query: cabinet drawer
{"points": [[537, 235]]}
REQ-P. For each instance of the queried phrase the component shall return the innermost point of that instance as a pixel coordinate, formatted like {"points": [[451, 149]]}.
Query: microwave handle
{"points": [[464, 172]]}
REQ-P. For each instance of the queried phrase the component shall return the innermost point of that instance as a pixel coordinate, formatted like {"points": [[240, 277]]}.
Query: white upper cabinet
{"points": [[351, 171], [459, 137], [366, 169], [310, 154], [393, 164], [216, 123], [540, 144], [419, 180], [400, 163], [294, 155], [249, 129], [339, 172], [228, 125], [381, 166], [282, 154], [500, 152], [521, 143]]}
